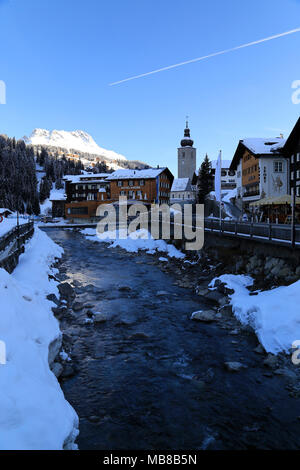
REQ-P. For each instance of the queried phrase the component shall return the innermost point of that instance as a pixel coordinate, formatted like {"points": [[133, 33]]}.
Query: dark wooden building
{"points": [[292, 151]]}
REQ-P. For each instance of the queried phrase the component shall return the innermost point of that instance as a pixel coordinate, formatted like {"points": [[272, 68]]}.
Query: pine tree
{"points": [[205, 180]]}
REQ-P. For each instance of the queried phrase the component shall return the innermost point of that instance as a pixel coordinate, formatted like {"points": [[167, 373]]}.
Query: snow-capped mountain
{"points": [[76, 140]]}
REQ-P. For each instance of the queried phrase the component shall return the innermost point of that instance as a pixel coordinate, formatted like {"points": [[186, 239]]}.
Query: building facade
{"points": [[292, 151], [182, 190], [84, 193], [261, 170], [228, 177], [152, 185], [186, 156]]}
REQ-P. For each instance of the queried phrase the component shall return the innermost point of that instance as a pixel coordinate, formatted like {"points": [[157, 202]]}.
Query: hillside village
{"points": [[257, 183]]}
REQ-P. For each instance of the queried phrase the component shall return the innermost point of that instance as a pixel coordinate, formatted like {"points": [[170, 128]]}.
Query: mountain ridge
{"points": [[81, 143]]}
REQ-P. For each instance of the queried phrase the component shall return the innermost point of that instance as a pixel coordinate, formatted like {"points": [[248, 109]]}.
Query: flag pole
{"points": [[220, 202]]}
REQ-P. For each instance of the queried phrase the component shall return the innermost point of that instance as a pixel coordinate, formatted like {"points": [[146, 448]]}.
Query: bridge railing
{"points": [[12, 245], [273, 232]]}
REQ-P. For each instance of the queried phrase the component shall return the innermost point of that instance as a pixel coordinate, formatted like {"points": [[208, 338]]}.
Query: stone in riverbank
{"points": [[234, 366], [66, 290], [206, 316]]}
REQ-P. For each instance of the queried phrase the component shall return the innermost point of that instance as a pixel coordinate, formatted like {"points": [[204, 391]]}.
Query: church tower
{"points": [[186, 156]]}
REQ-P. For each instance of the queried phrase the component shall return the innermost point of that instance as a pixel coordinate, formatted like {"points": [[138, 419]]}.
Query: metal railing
{"points": [[279, 233]]}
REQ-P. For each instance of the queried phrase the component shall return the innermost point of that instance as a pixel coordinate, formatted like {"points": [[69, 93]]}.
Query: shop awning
{"points": [[279, 200]]}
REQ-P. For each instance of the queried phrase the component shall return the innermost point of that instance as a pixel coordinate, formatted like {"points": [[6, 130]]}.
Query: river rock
{"points": [[67, 371], [59, 311], [259, 349], [53, 298], [54, 348], [77, 306], [66, 290], [139, 335], [57, 369], [234, 366], [271, 361], [161, 293], [100, 317], [125, 288], [202, 291], [94, 419], [206, 316], [289, 374], [215, 297]]}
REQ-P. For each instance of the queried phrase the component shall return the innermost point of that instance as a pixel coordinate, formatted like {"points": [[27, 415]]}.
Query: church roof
{"points": [[181, 184]]}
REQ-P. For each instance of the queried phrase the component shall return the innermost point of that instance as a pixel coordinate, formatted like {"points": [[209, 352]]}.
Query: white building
{"points": [[182, 190], [228, 177], [261, 169]]}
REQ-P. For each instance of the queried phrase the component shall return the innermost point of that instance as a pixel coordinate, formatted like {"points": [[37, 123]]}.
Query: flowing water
{"points": [[149, 377]]}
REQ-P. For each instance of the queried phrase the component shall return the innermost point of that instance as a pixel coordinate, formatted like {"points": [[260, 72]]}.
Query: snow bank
{"points": [[33, 411], [274, 315], [138, 240]]}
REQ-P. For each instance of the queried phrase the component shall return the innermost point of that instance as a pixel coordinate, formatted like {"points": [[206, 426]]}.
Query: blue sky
{"points": [[58, 58]]}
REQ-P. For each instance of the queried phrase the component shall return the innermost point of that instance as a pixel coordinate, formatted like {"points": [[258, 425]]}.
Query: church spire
{"points": [[187, 141]]}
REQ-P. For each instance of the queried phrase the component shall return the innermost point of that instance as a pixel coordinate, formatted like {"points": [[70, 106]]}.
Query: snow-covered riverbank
{"points": [[33, 411], [138, 240], [273, 314]]}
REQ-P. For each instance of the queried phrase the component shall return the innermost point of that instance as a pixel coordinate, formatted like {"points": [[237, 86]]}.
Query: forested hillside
{"points": [[18, 182]]}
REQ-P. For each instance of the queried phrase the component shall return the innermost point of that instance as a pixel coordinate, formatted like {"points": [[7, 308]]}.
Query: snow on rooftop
{"points": [[181, 184], [225, 164], [86, 177], [128, 174], [259, 145]]}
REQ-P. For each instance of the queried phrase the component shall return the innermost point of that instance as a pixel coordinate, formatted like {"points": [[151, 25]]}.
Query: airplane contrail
{"points": [[292, 31]]}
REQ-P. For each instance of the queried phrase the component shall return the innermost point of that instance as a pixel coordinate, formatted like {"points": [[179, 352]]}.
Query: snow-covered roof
{"points": [[181, 184], [225, 164], [87, 178], [132, 174], [102, 190], [264, 145]]}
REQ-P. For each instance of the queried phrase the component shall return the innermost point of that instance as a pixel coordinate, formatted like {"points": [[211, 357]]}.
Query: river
{"points": [[149, 377]]}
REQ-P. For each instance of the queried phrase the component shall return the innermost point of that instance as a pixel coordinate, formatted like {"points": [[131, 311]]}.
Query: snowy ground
{"points": [[138, 240], [274, 315], [33, 411]]}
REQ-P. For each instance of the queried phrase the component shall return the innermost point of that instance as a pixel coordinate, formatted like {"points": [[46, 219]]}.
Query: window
{"points": [[278, 167], [292, 175], [131, 183], [120, 184], [79, 211], [298, 157], [142, 182], [122, 193], [292, 159]]}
